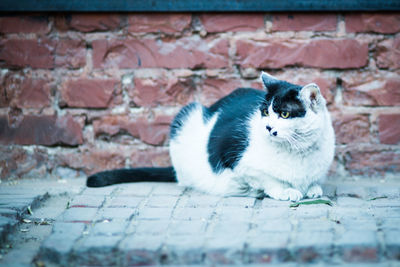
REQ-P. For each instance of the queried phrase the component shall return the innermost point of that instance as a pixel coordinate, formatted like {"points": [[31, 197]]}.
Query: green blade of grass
{"points": [[317, 201]]}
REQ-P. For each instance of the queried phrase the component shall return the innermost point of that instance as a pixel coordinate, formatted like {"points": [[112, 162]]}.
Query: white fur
{"points": [[283, 168]]}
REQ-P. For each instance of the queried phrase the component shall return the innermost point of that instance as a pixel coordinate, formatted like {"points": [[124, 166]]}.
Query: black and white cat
{"points": [[278, 142]]}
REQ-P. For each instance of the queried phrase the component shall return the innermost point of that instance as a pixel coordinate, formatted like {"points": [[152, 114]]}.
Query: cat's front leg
{"points": [[314, 191], [281, 191]]}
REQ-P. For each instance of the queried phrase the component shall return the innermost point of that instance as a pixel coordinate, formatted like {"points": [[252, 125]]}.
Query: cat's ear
{"points": [[267, 80], [312, 97]]}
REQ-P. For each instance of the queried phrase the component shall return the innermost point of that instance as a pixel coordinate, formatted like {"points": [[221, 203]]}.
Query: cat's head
{"points": [[292, 115]]}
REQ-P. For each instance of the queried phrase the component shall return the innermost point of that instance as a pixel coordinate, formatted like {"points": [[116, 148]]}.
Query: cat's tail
{"points": [[118, 176]]}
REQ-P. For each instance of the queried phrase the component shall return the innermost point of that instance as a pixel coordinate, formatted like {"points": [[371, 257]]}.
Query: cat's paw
{"points": [[314, 191], [286, 194]]}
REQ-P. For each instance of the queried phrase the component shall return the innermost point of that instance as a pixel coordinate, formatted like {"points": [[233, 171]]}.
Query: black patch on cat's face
{"points": [[285, 98]]}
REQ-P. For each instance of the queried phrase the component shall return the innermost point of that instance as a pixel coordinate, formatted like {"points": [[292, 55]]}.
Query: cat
{"points": [[277, 142]]}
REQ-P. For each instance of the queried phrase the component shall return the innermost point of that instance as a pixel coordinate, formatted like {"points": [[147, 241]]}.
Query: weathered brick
{"points": [[93, 160], [153, 132], [70, 53], [389, 130], [85, 201], [186, 52], [366, 89], [107, 228], [141, 249], [387, 54], [373, 22], [23, 91], [351, 128], [88, 93], [151, 157], [117, 214], [312, 246], [88, 22], [270, 247], [124, 201], [154, 92], [83, 215], [215, 88], [43, 130], [24, 24], [17, 53], [165, 23], [232, 22], [371, 161], [304, 22], [322, 53], [392, 244]]}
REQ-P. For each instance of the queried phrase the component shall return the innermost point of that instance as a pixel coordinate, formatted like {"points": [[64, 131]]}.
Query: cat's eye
{"points": [[265, 112], [285, 114]]}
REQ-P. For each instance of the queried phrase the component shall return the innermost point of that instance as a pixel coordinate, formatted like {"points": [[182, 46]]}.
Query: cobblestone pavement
{"points": [[62, 223]]}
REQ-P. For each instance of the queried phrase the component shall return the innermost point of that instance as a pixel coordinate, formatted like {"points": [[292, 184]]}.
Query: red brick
{"points": [[24, 24], [351, 129], [88, 22], [26, 92], [27, 53], [389, 128], [41, 130], [88, 93], [17, 162], [370, 90], [147, 53], [150, 158], [92, 160], [154, 132], [232, 22], [371, 161], [213, 89], [373, 22], [322, 53], [154, 92], [304, 22], [387, 54], [166, 23], [70, 54]]}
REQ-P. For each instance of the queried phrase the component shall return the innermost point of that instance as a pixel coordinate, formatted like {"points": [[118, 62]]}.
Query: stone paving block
{"points": [[312, 246], [71, 229], [385, 212], [160, 201], [318, 224], [272, 225], [346, 201], [358, 246], [88, 201], [266, 214], [385, 202], [192, 213], [350, 190], [99, 191], [338, 213], [234, 214], [135, 189], [168, 189], [140, 250], [57, 248], [311, 211], [78, 215], [46, 213], [267, 247], [7, 212], [244, 202], [225, 229], [390, 191], [195, 201], [390, 223], [272, 203], [124, 201], [187, 228], [115, 214], [156, 227], [148, 213], [358, 224], [109, 228], [392, 244]]}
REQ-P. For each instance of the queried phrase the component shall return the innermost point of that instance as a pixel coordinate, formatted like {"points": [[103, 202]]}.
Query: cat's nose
{"points": [[269, 128], [274, 133]]}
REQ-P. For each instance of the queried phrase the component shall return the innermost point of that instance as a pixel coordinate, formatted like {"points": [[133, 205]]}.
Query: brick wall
{"points": [[85, 92]]}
